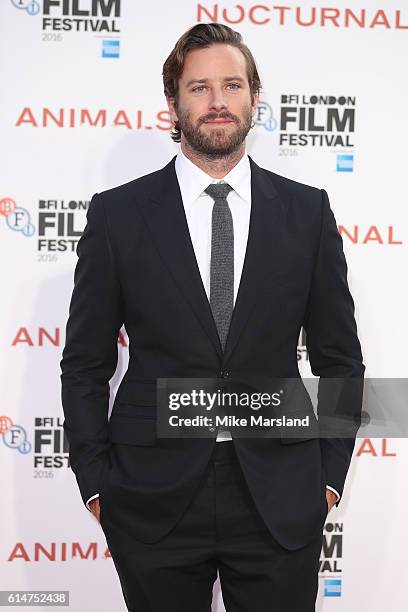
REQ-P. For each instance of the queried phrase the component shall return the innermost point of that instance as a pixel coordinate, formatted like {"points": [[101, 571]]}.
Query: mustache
{"points": [[213, 116]]}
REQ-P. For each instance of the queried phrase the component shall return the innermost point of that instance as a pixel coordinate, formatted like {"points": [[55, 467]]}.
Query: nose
{"points": [[217, 100]]}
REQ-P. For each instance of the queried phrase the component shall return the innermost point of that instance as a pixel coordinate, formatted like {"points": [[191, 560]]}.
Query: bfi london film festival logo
{"points": [[51, 446], [60, 223], [319, 121], [330, 564], [61, 17]]}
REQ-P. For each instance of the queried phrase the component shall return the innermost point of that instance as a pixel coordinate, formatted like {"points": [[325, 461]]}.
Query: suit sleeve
{"points": [[334, 352], [90, 354]]}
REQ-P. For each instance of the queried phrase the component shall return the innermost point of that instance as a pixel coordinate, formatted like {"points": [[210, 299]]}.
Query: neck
{"points": [[215, 167]]}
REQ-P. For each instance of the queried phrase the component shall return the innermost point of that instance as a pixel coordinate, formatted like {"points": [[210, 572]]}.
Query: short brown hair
{"points": [[199, 37]]}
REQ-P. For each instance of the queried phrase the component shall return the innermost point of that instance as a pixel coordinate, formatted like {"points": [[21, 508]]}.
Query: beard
{"points": [[218, 142]]}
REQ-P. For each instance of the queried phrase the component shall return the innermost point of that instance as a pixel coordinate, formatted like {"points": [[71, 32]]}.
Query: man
{"points": [[213, 264]]}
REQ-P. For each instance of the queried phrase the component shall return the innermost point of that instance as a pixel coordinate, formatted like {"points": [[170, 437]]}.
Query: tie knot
{"points": [[218, 191]]}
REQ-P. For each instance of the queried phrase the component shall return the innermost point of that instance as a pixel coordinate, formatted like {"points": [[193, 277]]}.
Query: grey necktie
{"points": [[222, 266], [222, 259]]}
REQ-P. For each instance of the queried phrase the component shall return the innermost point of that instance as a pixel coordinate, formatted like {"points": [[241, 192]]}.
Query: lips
{"points": [[219, 121]]}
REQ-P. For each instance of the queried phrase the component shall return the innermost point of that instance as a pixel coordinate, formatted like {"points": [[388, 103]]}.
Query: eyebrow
{"points": [[231, 78]]}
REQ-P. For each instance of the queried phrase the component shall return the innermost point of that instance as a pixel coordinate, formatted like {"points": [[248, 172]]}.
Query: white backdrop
{"points": [[83, 111]]}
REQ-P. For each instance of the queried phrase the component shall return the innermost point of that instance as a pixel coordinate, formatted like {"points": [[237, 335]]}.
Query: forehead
{"points": [[215, 62]]}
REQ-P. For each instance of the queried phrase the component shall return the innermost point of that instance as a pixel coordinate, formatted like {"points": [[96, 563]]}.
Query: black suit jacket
{"points": [[137, 267]]}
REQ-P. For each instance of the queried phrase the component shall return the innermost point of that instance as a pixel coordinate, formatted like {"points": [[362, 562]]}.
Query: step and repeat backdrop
{"points": [[83, 110]]}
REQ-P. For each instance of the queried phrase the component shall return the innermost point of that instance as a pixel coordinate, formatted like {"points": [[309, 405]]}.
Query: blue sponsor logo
{"points": [[110, 48], [345, 163], [332, 587]]}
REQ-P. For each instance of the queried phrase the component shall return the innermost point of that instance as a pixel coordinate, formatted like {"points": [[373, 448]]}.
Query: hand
{"points": [[95, 508], [331, 499]]}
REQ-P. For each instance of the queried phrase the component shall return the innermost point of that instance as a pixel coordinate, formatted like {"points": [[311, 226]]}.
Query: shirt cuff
{"points": [[90, 499], [333, 490]]}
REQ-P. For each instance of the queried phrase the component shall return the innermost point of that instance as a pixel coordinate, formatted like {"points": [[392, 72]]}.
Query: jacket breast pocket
{"points": [[137, 430]]}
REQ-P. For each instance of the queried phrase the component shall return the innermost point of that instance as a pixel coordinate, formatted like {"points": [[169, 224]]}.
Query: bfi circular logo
{"points": [[14, 436], [17, 218]]}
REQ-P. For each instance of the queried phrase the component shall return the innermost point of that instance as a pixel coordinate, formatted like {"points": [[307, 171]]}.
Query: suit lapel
{"points": [[164, 215], [263, 248]]}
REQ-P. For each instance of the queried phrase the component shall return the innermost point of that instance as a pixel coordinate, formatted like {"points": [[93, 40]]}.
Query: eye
{"points": [[199, 88], [234, 86]]}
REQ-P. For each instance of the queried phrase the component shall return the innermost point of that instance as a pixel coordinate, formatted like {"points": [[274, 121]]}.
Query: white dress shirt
{"points": [[198, 207]]}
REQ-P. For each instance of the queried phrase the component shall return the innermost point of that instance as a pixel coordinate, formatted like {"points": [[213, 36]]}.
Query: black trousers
{"points": [[222, 531]]}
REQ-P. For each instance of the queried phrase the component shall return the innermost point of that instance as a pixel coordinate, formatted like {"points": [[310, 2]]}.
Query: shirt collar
{"points": [[192, 180]]}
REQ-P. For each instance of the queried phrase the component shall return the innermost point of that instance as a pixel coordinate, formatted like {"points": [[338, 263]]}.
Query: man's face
{"points": [[214, 108]]}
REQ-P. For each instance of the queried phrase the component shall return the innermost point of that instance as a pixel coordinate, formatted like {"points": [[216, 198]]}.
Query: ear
{"points": [[254, 104], [172, 110]]}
